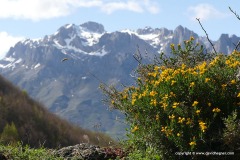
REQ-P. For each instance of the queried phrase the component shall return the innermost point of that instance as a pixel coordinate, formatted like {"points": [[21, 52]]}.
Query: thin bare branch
{"points": [[137, 56], [236, 45], [236, 48], [198, 19], [235, 13]]}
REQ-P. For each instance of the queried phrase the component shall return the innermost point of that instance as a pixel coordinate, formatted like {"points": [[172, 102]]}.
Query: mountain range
{"points": [[91, 55]]}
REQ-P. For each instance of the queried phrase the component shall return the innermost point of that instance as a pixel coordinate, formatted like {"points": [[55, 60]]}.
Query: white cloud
{"points": [[114, 6], [152, 6], [6, 42], [131, 5], [205, 12], [46, 9], [34, 9]]}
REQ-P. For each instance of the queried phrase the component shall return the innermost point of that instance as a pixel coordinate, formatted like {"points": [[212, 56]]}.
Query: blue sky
{"points": [[21, 19]]}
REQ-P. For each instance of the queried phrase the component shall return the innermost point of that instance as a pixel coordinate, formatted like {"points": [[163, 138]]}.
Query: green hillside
{"points": [[23, 119]]}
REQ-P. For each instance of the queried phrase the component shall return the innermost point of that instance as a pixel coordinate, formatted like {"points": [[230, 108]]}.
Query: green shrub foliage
{"points": [[232, 131], [9, 134], [21, 152], [179, 102]]}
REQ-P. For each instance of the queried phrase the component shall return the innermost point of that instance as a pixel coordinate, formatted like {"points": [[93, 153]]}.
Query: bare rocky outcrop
{"points": [[85, 151]]}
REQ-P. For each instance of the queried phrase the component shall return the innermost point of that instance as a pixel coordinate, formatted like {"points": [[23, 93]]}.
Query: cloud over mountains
{"points": [[36, 10], [205, 12], [6, 42]]}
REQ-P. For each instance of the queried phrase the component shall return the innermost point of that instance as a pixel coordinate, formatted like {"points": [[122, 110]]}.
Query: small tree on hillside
{"points": [[9, 134]]}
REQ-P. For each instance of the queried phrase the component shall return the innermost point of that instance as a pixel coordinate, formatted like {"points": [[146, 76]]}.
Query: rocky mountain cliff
{"points": [[70, 88]]}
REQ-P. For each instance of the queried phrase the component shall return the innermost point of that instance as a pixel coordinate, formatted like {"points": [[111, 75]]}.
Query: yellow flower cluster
{"points": [[124, 96], [134, 97], [207, 79], [233, 81], [171, 117], [172, 46], [189, 121], [216, 110], [238, 95], [215, 61], [173, 82], [175, 104], [153, 93], [198, 111], [164, 101], [135, 129], [133, 101], [232, 62], [195, 103], [202, 126], [224, 86], [193, 143], [164, 129], [172, 94], [112, 101], [202, 68], [153, 102], [167, 131], [192, 84], [164, 74], [181, 120], [154, 74]]}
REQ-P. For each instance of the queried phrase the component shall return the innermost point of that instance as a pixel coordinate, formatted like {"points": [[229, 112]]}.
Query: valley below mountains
{"points": [[92, 56]]}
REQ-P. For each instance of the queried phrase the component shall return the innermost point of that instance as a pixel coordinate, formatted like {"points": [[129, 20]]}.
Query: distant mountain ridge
{"points": [[70, 88]]}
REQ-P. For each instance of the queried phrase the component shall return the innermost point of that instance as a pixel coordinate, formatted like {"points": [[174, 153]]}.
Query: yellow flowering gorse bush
{"points": [[179, 105]]}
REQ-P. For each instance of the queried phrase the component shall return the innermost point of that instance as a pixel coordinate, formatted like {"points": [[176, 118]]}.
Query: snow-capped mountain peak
{"points": [[155, 37], [71, 34]]}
